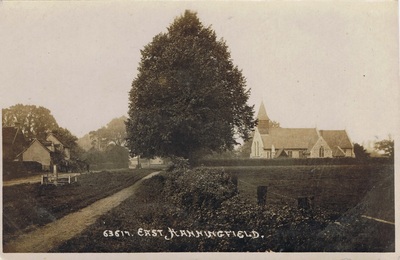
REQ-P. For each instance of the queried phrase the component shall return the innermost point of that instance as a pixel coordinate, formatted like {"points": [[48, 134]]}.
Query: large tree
{"points": [[188, 96], [34, 121]]}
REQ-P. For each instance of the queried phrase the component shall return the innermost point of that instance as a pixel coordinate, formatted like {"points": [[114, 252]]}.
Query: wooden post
{"points": [[56, 173], [305, 203], [69, 179], [138, 166], [235, 181], [262, 195]]}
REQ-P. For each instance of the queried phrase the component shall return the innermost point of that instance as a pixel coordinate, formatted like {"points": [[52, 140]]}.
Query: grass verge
{"points": [[27, 206]]}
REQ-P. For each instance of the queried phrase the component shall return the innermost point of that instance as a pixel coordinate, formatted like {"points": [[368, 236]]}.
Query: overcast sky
{"points": [[325, 65]]}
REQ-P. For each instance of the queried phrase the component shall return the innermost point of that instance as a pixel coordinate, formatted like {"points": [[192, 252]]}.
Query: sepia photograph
{"points": [[209, 129]]}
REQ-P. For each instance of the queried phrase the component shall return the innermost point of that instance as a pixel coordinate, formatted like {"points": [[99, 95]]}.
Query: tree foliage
{"points": [[274, 124], [70, 141], [112, 157], [37, 122], [114, 132], [386, 146], [34, 121], [360, 152], [117, 155], [188, 96]]}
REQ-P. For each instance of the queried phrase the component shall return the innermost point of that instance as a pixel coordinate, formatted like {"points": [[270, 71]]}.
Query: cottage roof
{"points": [[46, 143], [30, 145], [262, 113], [10, 134], [336, 138], [54, 137], [290, 138], [13, 141]]}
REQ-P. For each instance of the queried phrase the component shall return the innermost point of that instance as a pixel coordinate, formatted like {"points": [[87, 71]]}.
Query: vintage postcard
{"points": [[183, 129]]}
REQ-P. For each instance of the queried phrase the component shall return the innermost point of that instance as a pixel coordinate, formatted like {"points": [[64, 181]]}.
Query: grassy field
{"points": [[334, 187], [347, 191], [28, 206]]}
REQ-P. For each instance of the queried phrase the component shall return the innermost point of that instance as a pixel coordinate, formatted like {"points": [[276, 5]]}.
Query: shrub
{"points": [[207, 199]]}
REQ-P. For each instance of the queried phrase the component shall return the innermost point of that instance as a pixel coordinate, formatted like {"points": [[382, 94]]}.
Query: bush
{"points": [[207, 199]]}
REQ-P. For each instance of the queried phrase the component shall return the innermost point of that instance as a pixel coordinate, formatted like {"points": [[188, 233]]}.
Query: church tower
{"points": [[263, 120]]}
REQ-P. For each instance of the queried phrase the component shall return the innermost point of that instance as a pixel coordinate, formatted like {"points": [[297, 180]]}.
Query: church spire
{"points": [[263, 120], [262, 114]]}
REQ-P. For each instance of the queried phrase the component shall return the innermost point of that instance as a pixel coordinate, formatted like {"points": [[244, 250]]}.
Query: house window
{"points": [[268, 155], [290, 154], [321, 152]]}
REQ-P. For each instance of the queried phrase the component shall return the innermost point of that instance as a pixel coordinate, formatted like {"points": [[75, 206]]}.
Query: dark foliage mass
{"points": [[112, 157], [188, 96], [189, 200], [360, 152]]}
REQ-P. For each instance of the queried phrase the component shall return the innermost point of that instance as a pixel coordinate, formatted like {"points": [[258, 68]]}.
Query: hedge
{"points": [[290, 161], [13, 170]]}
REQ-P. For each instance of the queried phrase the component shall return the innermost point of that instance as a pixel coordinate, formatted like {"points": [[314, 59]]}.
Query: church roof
{"points": [[336, 138], [300, 138], [290, 138], [337, 152], [262, 113]]}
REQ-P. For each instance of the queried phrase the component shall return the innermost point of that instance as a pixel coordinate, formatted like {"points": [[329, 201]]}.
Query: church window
{"points": [[321, 152]]}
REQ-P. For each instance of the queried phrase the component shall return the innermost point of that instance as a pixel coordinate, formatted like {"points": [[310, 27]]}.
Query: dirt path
{"points": [[55, 233], [33, 179]]}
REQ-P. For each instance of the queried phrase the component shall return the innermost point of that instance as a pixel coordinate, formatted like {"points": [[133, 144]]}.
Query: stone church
{"points": [[269, 143]]}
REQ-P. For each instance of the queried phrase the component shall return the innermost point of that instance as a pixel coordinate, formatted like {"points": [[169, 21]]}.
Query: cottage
{"points": [[37, 152], [48, 152], [56, 145], [279, 142]]}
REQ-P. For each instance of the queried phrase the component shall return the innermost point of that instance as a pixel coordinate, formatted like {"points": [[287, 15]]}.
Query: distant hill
{"points": [[85, 142]]}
